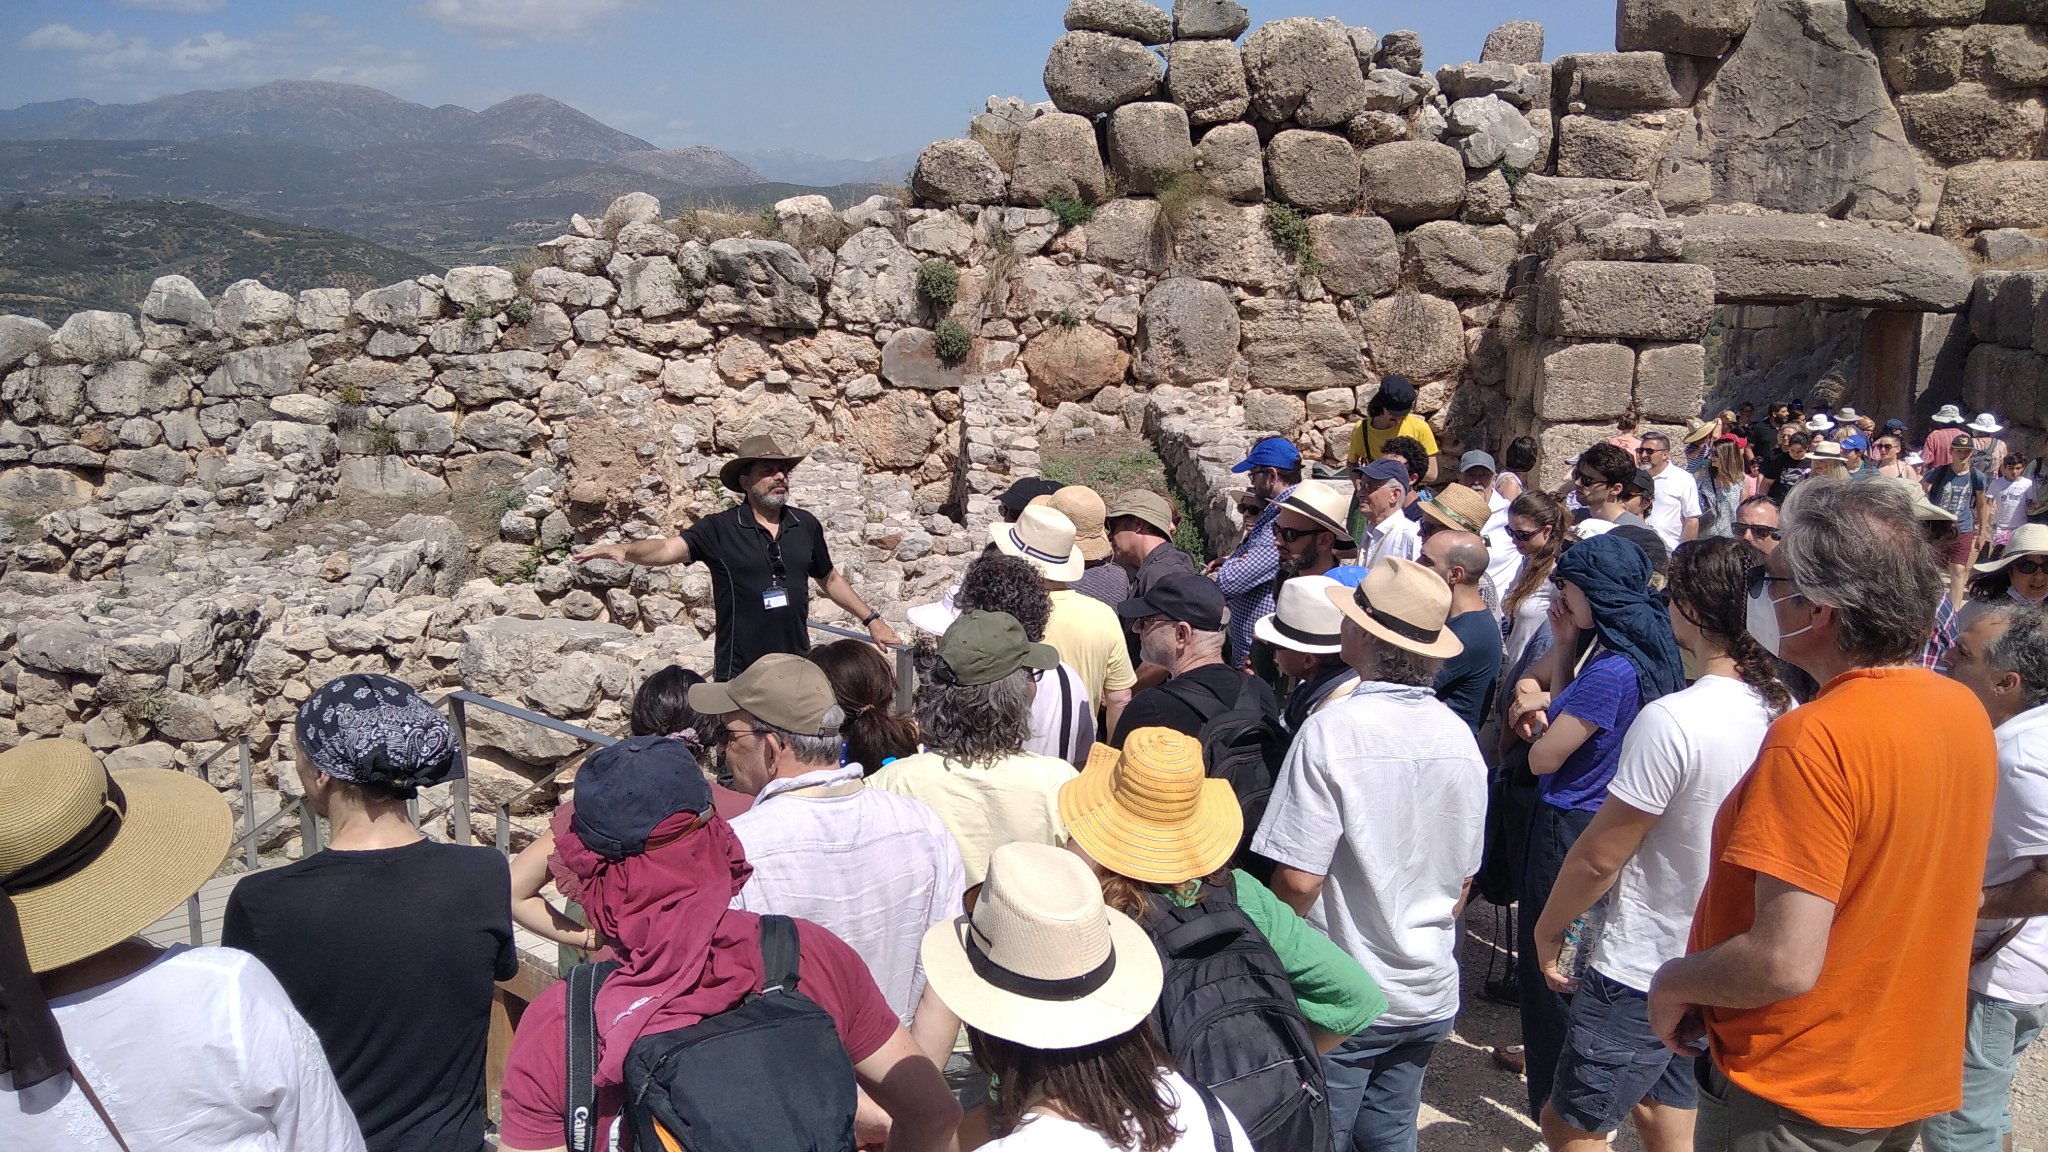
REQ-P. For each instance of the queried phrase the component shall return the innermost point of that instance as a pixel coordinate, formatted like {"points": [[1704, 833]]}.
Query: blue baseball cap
{"points": [[1385, 470], [1272, 452], [1856, 443], [623, 792]]}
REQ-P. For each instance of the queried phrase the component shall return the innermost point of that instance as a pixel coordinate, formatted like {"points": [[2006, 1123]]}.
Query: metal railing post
{"points": [[195, 924], [309, 828], [906, 679], [504, 830], [248, 806], [458, 717]]}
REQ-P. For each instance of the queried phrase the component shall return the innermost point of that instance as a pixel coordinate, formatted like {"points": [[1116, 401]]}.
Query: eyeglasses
{"points": [[2031, 566], [1760, 577], [1760, 531], [1292, 534], [732, 735]]}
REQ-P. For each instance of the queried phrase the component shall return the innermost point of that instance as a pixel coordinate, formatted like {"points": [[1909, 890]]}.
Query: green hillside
{"points": [[62, 256]]}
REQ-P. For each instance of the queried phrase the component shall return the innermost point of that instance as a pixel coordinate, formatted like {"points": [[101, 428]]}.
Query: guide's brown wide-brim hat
{"points": [[95, 857], [753, 450]]}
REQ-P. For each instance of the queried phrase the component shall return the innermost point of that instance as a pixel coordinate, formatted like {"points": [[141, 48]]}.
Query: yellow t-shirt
{"points": [[1367, 441], [1090, 637], [1014, 799]]}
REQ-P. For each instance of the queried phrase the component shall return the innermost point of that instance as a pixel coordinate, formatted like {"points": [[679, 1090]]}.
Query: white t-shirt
{"points": [[1528, 620], [1682, 756], [1384, 794], [1040, 1133], [2009, 502], [1048, 725], [1503, 561], [2018, 973], [1678, 499], [200, 1051]]}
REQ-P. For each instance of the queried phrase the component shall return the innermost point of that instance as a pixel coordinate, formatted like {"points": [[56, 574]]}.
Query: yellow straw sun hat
{"points": [[1149, 812], [89, 857]]}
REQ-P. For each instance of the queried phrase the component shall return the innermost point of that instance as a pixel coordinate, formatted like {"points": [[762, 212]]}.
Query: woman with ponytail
{"points": [[1536, 524], [1645, 855], [865, 686]]}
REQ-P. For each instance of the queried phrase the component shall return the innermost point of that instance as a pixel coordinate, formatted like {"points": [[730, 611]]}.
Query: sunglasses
{"points": [[2031, 566], [1760, 531], [1523, 537], [1760, 578], [1292, 534], [1585, 481]]}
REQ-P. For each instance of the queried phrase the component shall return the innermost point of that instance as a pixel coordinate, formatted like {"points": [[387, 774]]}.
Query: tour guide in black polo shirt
{"points": [[759, 552]]}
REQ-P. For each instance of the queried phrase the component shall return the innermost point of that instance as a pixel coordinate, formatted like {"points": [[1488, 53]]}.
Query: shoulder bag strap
{"points": [[779, 954], [579, 1119], [93, 1098], [1059, 671], [1219, 1123], [1999, 942]]}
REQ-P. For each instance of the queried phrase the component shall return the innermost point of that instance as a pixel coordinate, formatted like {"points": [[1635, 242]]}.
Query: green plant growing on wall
{"points": [[383, 439], [474, 317], [1067, 319], [938, 283], [520, 312], [1072, 213], [1289, 229], [951, 342]]}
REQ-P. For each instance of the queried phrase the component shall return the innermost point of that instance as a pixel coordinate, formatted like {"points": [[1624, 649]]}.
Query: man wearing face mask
{"points": [[1833, 933]]}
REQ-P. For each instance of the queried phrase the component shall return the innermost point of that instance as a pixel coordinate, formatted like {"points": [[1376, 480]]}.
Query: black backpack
{"points": [[1228, 1015], [770, 1075], [1242, 742]]}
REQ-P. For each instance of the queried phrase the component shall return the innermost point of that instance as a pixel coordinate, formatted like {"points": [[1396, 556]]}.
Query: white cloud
{"points": [[65, 38], [108, 53], [184, 7], [510, 23]]}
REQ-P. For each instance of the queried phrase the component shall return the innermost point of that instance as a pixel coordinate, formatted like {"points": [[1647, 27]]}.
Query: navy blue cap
{"points": [[1184, 596], [625, 791], [1383, 470], [1895, 425], [1018, 496], [1396, 393], [1272, 452]]}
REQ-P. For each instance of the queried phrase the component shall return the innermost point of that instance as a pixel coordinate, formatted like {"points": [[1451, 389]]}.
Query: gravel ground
{"points": [[1469, 1104]]}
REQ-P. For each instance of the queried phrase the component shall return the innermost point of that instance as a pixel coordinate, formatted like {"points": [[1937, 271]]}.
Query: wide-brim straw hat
{"points": [[1948, 414], [1303, 619], [1325, 502], [1042, 962], [2027, 540], [753, 450], [1404, 604], [1149, 812], [1458, 507], [1697, 430], [172, 832], [937, 616], [1083, 506], [1044, 538]]}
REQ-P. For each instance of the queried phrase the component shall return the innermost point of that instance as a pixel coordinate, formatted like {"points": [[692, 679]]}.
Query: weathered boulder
{"points": [[570, 289], [895, 431], [1125, 233], [1149, 144], [1233, 245], [1209, 19], [1133, 19], [953, 172], [1232, 163], [1314, 171], [1993, 194], [1585, 381], [324, 309], [632, 208], [1206, 77], [176, 300], [1303, 70], [491, 377], [761, 282], [1294, 346], [1617, 300], [1800, 121], [1401, 50], [1355, 255], [2007, 55], [1694, 27], [1920, 59], [1488, 130], [1452, 259], [908, 361], [1787, 259], [265, 370], [1091, 73], [876, 282], [131, 388], [1071, 364], [248, 308], [406, 305], [482, 286], [35, 491], [2006, 380], [505, 656], [1189, 332], [1056, 155], [1612, 148], [1413, 181], [1905, 13], [95, 338], [503, 427], [644, 239], [1515, 42], [650, 286], [1629, 81], [1415, 335], [1671, 380], [20, 336], [1970, 122], [1480, 78]]}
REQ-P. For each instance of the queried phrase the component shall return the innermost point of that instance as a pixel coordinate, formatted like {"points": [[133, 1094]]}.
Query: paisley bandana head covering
{"points": [[373, 730]]}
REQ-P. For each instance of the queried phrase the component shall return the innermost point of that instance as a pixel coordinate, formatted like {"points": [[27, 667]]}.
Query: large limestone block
{"points": [[1314, 171], [953, 172], [1970, 122], [1452, 259], [651, 286], [248, 308], [1073, 364], [505, 656], [876, 282], [131, 388], [2006, 55], [2003, 307], [1629, 81], [1787, 259], [1206, 77], [1593, 381], [1993, 194], [1091, 73], [761, 282], [1515, 42], [1418, 336], [1617, 300], [176, 300], [1233, 245], [266, 370], [407, 305], [1600, 148], [2010, 381], [1295, 346], [1401, 50], [483, 286], [1232, 163], [1355, 255], [1056, 155], [1799, 119], [1694, 27], [1125, 233], [34, 491], [22, 335], [1189, 332], [1209, 19], [1671, 381], [95, 338], [1470, 79], [1488, 130], [908, 361], [1412, 181], [387, 476], [895, 431], [1912, 13], [1133, 19], [1920, 59], [570, 289], [1149, 144], [1304, 70]]}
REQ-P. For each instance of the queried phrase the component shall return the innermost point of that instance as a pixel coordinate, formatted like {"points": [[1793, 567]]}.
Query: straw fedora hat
{"points": [[1697, 429], [1149, 813], [1457, 506], [1044, 537], [1325, 502], [1303, 619], [1404, 604], [1084, 507], [1042, 962], [2027, 540], [123, 848], [753, 450]]}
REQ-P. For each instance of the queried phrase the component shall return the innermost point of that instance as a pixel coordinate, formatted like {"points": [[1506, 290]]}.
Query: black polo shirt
{"points": [[744, 562]]}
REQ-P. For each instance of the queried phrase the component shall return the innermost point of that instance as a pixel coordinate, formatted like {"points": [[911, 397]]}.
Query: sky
{"points": [[851, 79]]}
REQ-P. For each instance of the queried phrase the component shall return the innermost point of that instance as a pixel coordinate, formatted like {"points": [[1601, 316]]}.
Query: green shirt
{"points": [[1336, 994]]}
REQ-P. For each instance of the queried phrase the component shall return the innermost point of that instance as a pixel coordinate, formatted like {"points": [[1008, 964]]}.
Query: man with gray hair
{"points": [[1833, 933], [2001, 654]]}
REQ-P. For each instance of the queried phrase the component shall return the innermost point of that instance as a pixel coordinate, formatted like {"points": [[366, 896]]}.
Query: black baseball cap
{"points": [[1020, 495], [1193, 600], [624, 791], [1396, 394]]}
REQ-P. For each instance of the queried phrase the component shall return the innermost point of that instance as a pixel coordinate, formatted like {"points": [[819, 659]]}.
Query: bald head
{"points": [[1458, 557]]}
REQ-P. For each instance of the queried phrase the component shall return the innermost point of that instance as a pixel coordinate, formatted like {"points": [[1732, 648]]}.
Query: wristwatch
{"points": [[868, 621]]}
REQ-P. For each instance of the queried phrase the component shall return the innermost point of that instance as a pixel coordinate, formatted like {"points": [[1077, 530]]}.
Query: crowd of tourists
{"points": [[1747, 724]]}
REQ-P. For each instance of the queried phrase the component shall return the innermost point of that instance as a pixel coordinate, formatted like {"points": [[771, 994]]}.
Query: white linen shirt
{"points": [[874, 868], [1384, 795], [1397, 535], [2018, 972]]}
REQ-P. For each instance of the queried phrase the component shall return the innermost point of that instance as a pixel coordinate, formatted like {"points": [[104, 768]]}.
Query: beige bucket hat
{"points": [[1084, 507], [1044, 537], [2027, 540]]}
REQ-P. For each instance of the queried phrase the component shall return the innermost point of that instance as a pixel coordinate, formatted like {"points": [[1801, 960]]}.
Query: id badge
{"points": [[775, 598]]}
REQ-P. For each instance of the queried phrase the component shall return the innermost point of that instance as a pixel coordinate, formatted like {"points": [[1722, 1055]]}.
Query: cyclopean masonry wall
{"points": [[1277, 221]]}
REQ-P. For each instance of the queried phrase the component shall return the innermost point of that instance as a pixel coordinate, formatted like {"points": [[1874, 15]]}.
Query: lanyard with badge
{"points": [[777, 593]]}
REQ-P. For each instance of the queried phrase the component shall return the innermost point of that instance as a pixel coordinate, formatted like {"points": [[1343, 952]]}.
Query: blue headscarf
{"points": [[1627, 617]]}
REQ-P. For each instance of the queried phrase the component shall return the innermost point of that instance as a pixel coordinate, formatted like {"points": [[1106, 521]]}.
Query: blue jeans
{"points": [[1375, 1084], [1999, 1031]]}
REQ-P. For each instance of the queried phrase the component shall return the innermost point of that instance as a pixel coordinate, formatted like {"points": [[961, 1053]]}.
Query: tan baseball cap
{"points": [[1140, 504], [781, 688]]}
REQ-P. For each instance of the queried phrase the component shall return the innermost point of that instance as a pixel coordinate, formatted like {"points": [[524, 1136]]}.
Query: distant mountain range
{"points": [[793, 167]]}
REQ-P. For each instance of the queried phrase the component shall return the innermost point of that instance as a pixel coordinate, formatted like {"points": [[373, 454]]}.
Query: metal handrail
{"points": [[906, 674], [458, 702]]}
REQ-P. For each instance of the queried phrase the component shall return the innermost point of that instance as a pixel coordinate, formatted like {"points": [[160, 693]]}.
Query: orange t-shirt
{"points": [[1878, 797]]}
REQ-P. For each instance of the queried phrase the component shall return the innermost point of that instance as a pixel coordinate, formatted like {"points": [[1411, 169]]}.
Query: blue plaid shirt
{"points": [[1246, 579], [1935, 654]]}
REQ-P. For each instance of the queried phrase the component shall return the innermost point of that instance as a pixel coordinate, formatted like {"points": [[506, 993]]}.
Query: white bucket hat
{"points": [[1846, 415], [937, 616], [2027, 540], [1045, 538], [1948, 414], [1985, 424], [1042, 962], [1819, 422], [1303, 619]]}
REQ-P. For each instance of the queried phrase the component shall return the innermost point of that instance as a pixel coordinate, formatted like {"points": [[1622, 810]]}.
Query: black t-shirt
{"points": [[1466, 680], [745, 562], [1159, 708], [390, 955]]}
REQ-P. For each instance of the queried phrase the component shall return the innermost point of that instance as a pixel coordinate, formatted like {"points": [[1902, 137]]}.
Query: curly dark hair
{"points": [[1412, 453], [999, 583], [1520, 455], [1709, 582], [865, 686]]}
